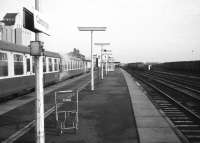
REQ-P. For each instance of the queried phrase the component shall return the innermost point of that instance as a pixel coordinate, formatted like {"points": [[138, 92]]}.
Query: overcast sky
{"points": [[138, 30]]}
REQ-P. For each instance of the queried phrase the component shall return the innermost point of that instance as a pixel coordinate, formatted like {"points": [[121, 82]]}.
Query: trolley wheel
{"points": [[58, 132], [58, 129], [75, 131]]}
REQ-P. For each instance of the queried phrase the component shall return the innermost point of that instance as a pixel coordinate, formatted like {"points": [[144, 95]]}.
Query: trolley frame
{"points": [[62, 98]]}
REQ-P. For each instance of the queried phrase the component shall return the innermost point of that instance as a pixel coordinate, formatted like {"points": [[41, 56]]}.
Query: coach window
{"points": [[28, 65], [55, 65], [18, 64], [65, 67], [44, 64], [50, 65], [3, 64], [68, 66], [71, 65]]}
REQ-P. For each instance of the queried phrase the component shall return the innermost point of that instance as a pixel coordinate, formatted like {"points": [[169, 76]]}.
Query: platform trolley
{"points": [[66, 104]]}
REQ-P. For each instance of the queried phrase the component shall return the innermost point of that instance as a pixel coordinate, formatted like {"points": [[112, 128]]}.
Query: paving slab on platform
{"points": [[152, 126]]}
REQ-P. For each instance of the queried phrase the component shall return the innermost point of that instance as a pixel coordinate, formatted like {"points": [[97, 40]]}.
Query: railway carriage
{"points": [[17, 69], [72, 65], [138, 66]]}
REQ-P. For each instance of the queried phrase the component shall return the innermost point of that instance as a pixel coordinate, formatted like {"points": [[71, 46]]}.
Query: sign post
{"points": [[36, 23], [37, 52], [39, 92]]}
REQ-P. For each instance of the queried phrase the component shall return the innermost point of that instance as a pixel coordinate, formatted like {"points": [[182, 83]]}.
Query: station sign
{"points": [[40, 23], [28, 20], [35, 21], [64, 96]]}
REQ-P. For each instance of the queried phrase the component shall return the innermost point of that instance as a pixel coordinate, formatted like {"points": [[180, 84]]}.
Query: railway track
{"points": [[194, 93], [189, 81], [178, 104]]}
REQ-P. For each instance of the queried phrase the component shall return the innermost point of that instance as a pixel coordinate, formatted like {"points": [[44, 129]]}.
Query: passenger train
{"points": [[17, 71]]}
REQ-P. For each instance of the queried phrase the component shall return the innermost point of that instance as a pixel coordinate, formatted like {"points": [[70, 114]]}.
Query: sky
{"points": [[137, 30]]}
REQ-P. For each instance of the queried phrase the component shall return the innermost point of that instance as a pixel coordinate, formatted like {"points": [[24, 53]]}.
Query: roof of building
{"points": [[9, 18], [10, 15], [76, 53]]}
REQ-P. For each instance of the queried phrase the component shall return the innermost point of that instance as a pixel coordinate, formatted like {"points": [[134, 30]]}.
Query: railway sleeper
{"points": [[193, 138], [165, 104], [191, 127], [171, 110], [179, 118], [176, 115], [196, 107], [191, 132], [158, 100], [183, 122]]}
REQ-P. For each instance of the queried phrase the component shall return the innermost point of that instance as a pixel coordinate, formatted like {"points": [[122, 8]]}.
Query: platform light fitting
{"points": [[92, 28]]}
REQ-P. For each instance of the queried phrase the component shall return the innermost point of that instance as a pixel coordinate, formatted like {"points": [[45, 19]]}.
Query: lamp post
{"points": [[102, 44], [92, 29]]}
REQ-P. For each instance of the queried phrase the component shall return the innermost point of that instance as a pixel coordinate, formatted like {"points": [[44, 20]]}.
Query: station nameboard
{"points": [[28, 20], [35, 21], [40, 23]]}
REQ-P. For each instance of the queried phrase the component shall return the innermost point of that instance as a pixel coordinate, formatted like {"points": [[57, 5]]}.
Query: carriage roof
{"points": [[8, 46]]}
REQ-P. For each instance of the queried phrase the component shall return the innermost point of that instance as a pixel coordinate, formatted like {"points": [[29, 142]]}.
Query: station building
{"points": [[11, 29]]}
